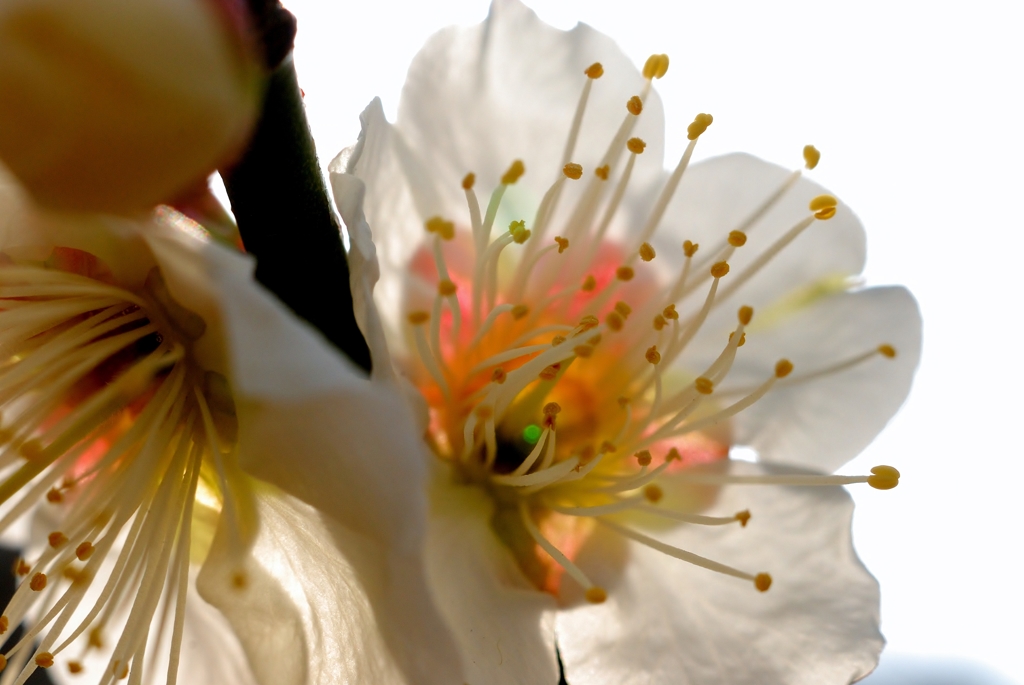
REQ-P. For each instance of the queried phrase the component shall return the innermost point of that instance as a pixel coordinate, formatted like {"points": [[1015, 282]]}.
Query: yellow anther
{"points": [[659, 322], [596, 595], [31, 449], [745, 314], [484, 411], [54, 496], [552, 409], [498, 376], [743, 339], [884, 478], [563, 243], [587, 323], [96, 638], [573, 171], [75, 667], [623, 308], [635, 105], [737, 238], [84, 551], [38, 582], [635, 145], [822, 202], [652, 355], [5, 623], [623, 402], [653, 493], [445, 229], [75, 575], [720, 269], [583, 351], [614, 321], [21, 567], [446, 288], [647, 252], [690, 248], [120, 670], [595, 70], [811, 156], [783, 368], [515, 171], [656, 66], [44, 660], [550, 372], [3, 662], [743, 517], [670, 312], [418, 318], [520, 233], [673, 455], [608, 447], [594, 340], [699, 125], [239, 580], [704, 385], [624, 273], [887, 351], [589, 283], [468, 181], [602, 172], [557, 340], [825, 214], [57, 539], [643, 457], [520, 311], [762, 581]]}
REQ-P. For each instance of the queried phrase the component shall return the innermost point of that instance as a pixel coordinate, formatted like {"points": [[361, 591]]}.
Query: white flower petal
{"points": [[504, 626], [666, 621]]}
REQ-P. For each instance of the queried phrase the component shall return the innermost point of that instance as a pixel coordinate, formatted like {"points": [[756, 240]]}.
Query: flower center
{"points": [[106, 415], [557, 376]]}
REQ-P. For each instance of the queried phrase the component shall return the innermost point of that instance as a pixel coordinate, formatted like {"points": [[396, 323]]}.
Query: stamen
{"points": [[593, 593]]}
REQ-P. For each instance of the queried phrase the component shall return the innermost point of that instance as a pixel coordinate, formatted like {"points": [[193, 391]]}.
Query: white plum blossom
{"points": [[583, 375]]}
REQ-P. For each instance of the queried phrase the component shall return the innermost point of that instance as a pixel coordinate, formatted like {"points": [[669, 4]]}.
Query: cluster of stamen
{"points": [[106, 418], [557, 390]]}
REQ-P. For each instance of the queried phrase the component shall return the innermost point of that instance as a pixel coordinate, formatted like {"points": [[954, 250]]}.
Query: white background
{"points": [[917, 110]]}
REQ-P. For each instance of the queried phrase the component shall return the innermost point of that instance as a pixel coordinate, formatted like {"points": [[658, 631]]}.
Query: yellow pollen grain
{"points": [[520, 311], [418, 318], [670, 312], [583, 351], [653, 493], [84, 551], [602, 172], [673, 455], [743, 517], [647, 252], [520, 234], [762, 581], [38, 582], [623, 308], [573, 171], [884, 478], [690, 248], [745, 314], [635, 105], [563, 243], [608, 447], [44, 660], [822, 202], [811, 156], [652, 355], [589, 283], [557, 340], [468, 181], [783, 368], [596, 595], [656, 66], [737, 238], [636, 145], [446, 288], [659, 322], [5, 623], [720, 269], [699, 125], [75, 667], [614, 321], [825, 214], [643, 457], [54, 496], [704, 385], [594, 71], [550, 372], [515, 171], [445, 229], [624, 273], [887, 351], [498, 376], [57, 539]]}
